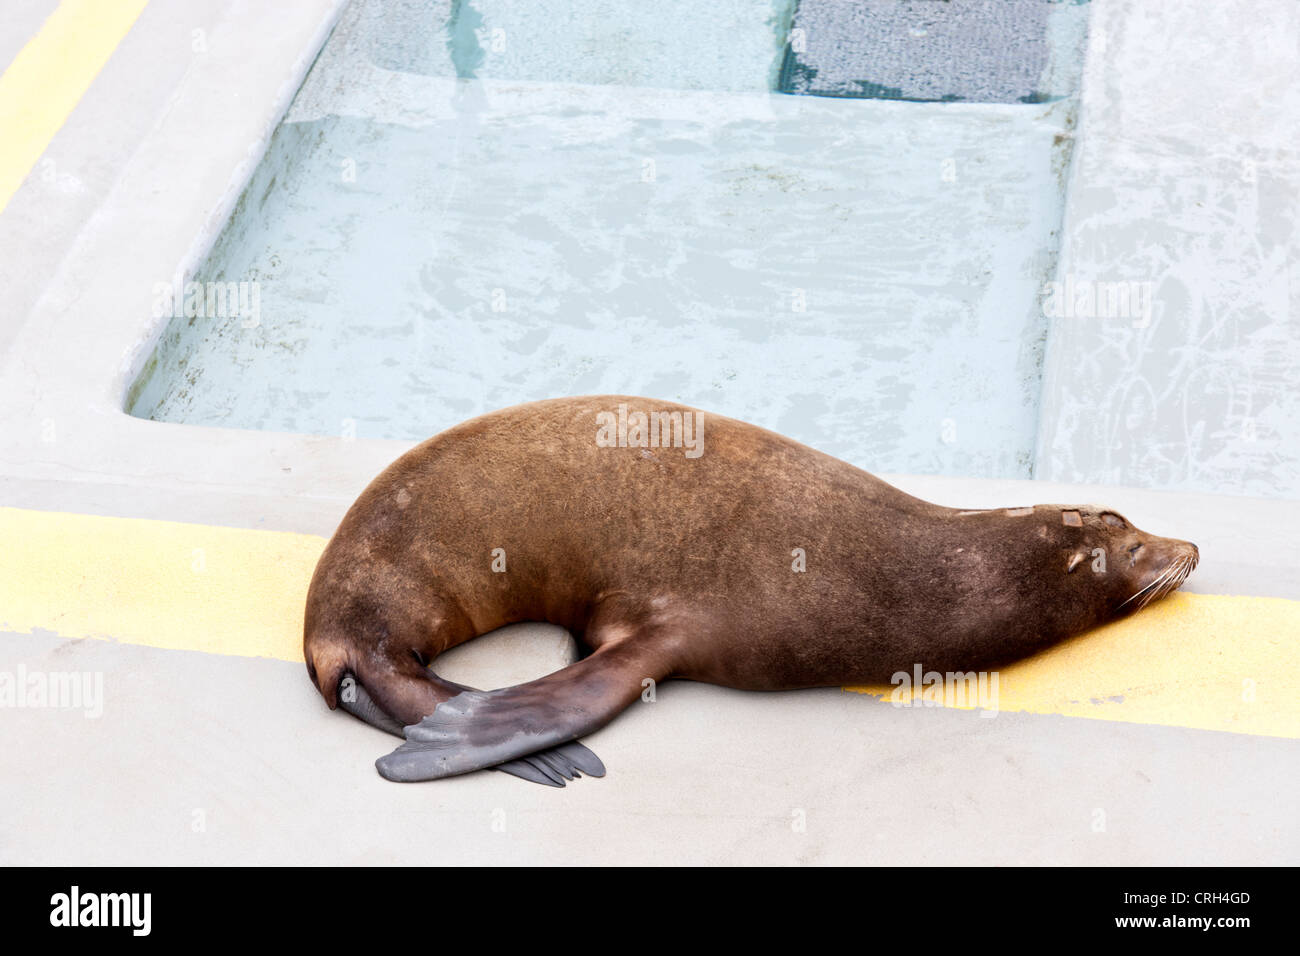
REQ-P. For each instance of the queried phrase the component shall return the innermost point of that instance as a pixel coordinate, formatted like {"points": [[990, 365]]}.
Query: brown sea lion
{"points": [[674, 543]]}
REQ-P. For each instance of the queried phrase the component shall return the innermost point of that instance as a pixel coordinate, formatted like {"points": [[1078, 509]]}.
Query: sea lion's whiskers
{"points": [[1168, 582], [1183, 572], [1142, 591]]}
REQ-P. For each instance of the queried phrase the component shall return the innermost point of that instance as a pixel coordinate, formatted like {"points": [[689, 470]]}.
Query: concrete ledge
{"points": [[67, 368]]}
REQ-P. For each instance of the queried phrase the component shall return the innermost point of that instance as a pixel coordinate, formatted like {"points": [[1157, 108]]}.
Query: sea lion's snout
{"points": [[1161, 565]]}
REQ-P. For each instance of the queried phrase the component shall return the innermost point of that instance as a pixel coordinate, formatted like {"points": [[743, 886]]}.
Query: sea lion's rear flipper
{"points": [[549, 768], [553, 767], [479, 729]]}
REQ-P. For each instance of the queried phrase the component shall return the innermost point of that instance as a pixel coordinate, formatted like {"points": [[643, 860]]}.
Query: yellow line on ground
{"points": [[1193, 660], [1211, 661], [49, 76], [160, 583]]}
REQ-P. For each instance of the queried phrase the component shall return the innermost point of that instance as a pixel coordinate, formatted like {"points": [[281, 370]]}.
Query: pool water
{"points": [[471, 205]]}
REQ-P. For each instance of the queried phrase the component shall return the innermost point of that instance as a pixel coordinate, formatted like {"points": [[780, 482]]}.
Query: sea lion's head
{"points": [[1044, 573], [1114, 566]]}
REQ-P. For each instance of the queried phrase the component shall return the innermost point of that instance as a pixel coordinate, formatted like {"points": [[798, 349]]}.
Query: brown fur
{"points": [[683, 566]]}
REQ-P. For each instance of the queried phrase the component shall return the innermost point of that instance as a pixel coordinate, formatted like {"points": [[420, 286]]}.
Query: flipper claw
{"points": [[527, 769], [580, 757]]}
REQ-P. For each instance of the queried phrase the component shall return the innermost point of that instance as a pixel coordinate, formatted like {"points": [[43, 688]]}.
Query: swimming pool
{"points": [[470, 205]]}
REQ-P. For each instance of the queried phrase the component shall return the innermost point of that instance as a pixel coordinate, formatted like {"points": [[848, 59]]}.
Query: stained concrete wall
{"points": [[1187, 185]]}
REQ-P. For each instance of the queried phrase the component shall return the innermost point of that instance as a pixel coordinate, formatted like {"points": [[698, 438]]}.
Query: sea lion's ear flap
{"points": [[1114, 520], [1075, 561]]}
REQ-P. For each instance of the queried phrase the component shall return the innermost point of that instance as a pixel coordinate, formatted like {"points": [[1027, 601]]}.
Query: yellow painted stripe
{"points": [[160, 583], [49, 76], [1193, 660]]}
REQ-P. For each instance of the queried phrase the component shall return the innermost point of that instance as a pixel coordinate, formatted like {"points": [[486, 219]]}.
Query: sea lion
{"points": [[674, 543]]}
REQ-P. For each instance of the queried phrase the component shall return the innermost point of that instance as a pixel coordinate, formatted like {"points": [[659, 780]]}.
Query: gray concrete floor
{"points": [[199, 759]]}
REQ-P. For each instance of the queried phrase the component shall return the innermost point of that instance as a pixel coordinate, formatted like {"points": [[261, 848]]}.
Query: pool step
{"points": [[973, 51]]}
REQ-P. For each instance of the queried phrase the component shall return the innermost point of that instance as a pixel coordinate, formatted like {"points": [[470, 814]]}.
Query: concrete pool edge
{"points": [[65, 403], [64, 379]]}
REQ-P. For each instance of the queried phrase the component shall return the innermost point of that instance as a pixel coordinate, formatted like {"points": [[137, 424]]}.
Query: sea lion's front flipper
{"points": [[479, 729], [550, 768]]}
